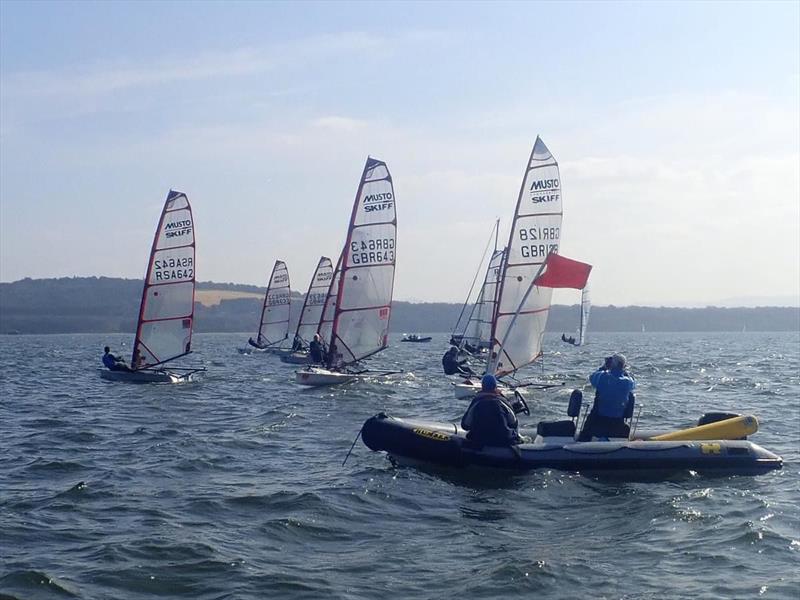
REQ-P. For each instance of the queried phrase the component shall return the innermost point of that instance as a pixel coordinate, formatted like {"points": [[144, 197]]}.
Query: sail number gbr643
{"points": [[377, 251]]}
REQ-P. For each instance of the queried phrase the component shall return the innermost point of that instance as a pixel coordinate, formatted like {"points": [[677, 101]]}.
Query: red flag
{"points": [[561, 272]]}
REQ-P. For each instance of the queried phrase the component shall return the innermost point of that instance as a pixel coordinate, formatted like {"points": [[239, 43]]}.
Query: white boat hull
{"points": [[466, 389], [315, 377], [295, 358], [143, 376]]}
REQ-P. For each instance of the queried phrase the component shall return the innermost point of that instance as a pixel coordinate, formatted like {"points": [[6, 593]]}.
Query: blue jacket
{"points": [[490, 421], [109, 360], [613, 389]]}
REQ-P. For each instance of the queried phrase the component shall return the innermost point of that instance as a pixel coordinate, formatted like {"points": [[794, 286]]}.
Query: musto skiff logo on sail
{"points": [[178, 228], [545, 190], [372, 252], [173, 269], [375, 202]]}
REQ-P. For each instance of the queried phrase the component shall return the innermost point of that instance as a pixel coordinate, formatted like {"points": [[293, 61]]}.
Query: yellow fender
{"points": [[729, 429]]}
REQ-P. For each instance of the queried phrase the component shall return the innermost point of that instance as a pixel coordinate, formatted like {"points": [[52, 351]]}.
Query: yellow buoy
{"points": [[729, 429]]}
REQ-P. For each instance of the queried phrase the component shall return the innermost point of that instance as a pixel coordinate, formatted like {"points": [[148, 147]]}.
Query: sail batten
{"points": [[360, 296], [166, 312], [522, 308]]}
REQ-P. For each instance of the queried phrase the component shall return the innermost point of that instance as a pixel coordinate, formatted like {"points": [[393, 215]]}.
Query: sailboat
{"points": [[466, 331], [355, 318], [273, 327], [166, 312], [478, 333], [311, 313], [522, 308], [586, 305]]}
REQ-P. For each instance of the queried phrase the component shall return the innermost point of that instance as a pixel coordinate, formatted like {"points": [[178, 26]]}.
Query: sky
{"points": [[676, 127]]}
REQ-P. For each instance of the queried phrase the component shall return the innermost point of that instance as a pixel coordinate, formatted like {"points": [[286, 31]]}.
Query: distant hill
{"points": [[105, 304]]}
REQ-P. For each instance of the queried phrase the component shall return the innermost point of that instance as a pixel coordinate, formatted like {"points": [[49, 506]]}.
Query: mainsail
{"points": [[325, 327], [365, 275], [479, 327], [460, 331], [164, 330], [314, 303], [535, 233], [586, 305], [274, 325]]}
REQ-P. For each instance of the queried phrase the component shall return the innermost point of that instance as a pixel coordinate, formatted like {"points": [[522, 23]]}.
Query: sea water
{"points": [[233, 487]]}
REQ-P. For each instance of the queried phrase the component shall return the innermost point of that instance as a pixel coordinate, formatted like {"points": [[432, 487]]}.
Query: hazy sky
{"points": [[676, 126]]}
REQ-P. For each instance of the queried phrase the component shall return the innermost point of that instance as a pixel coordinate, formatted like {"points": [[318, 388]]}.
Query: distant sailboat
{"points": [[355, 319], [586, 306], [273, 328], [166, 312], [311, 313]]}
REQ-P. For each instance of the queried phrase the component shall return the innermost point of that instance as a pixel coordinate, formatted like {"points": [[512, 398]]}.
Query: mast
{"points": [[166, 311], [366, 273], [522, 308]]}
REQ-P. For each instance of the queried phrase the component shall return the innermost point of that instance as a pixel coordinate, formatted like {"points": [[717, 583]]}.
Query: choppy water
{"points": [[233, 487]]}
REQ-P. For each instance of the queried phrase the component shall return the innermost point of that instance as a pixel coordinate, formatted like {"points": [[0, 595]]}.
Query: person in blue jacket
{"points": [[489, 420], [113, 363], [614, 387]]}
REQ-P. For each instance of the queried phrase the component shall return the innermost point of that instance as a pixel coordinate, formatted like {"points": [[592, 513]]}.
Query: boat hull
{"points": [[317, 377], [445, 445], [295, 358], [465, 389], [143, 376], [422, 340]]}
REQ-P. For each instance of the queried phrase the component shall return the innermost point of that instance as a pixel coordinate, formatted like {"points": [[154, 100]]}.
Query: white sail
{"points": [[479, 328], [166, 313], [366, 275], [535, 232], [465, 327], [586, 305], [274, 324], [314, 302], [325, 328]]}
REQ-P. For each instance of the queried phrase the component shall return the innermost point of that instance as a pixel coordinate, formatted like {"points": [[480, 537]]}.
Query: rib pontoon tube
{"points": [[445, 444]]}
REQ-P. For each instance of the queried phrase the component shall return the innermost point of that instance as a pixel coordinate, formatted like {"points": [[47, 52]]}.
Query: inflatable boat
{"points": [[553, 445]]}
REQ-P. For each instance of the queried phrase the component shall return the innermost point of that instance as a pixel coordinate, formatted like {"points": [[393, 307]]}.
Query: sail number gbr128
{"points": [[372, 252], [538, 242]]}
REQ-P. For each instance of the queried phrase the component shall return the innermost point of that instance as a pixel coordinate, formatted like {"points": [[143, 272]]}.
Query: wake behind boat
{"points": [[355, 319], [166, 312]]}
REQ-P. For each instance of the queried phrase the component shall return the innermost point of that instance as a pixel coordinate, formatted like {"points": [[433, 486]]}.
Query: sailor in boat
{"points": [[297, 345], [569, 340], [613, 401], [453, 366], [490, 419], [114, 363], [316, 350]]}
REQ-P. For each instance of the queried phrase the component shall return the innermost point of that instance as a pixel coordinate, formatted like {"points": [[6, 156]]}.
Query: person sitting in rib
{"points": [[490, 419]]}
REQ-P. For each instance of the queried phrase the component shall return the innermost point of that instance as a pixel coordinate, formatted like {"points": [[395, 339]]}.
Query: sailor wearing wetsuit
{"points": [[112, 363], [489, 420]]}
